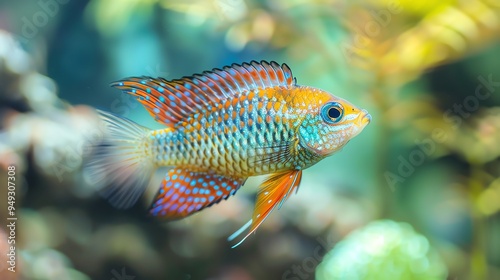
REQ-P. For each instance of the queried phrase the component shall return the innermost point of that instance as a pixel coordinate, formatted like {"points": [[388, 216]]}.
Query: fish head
{"points": [[330, 123]]}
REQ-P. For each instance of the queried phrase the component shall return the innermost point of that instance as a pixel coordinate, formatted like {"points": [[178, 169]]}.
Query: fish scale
{"points": [[222, 126], [230, 153]]}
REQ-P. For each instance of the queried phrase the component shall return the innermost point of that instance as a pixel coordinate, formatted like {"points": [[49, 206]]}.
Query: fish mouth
{"points": [[365, 118]]}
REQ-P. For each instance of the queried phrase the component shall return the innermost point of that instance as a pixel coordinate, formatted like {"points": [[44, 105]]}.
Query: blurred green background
{"points": [[415, 196]]}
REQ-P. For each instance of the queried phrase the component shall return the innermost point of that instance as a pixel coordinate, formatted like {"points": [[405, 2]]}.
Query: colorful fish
{"points": [[222, 127]]}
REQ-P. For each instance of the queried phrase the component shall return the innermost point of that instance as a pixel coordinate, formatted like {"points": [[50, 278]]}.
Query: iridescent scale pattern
{"points": [[251, 134]]}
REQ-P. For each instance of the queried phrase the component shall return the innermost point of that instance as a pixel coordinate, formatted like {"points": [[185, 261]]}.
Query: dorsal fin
{"points": [[171, 101]]}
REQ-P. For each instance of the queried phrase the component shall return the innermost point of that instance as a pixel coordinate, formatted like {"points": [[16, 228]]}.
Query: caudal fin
{"points": [[121, 165]]}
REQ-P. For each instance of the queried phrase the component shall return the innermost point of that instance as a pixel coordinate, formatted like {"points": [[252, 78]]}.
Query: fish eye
{"points": [[332, 112]]}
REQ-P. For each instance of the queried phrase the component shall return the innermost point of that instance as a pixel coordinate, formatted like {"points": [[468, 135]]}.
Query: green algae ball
{"points": [[384, 250]]}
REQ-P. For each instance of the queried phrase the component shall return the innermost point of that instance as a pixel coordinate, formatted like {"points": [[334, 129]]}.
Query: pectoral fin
{"points": [[274, 191]]}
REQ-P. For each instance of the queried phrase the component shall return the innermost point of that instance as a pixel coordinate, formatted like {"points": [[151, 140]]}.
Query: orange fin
{"points": [[183, 193], [171, 101], [274, 192]]}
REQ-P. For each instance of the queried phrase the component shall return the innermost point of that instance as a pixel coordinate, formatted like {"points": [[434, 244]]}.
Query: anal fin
{"points": [[183, 193]]}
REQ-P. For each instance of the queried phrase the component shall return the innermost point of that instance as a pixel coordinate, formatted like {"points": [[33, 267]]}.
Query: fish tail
{"points": [[121, 165]]}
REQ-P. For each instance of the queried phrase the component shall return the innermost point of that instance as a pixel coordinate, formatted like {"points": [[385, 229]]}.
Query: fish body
{"points": [[222, 127], [236, 138]]}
